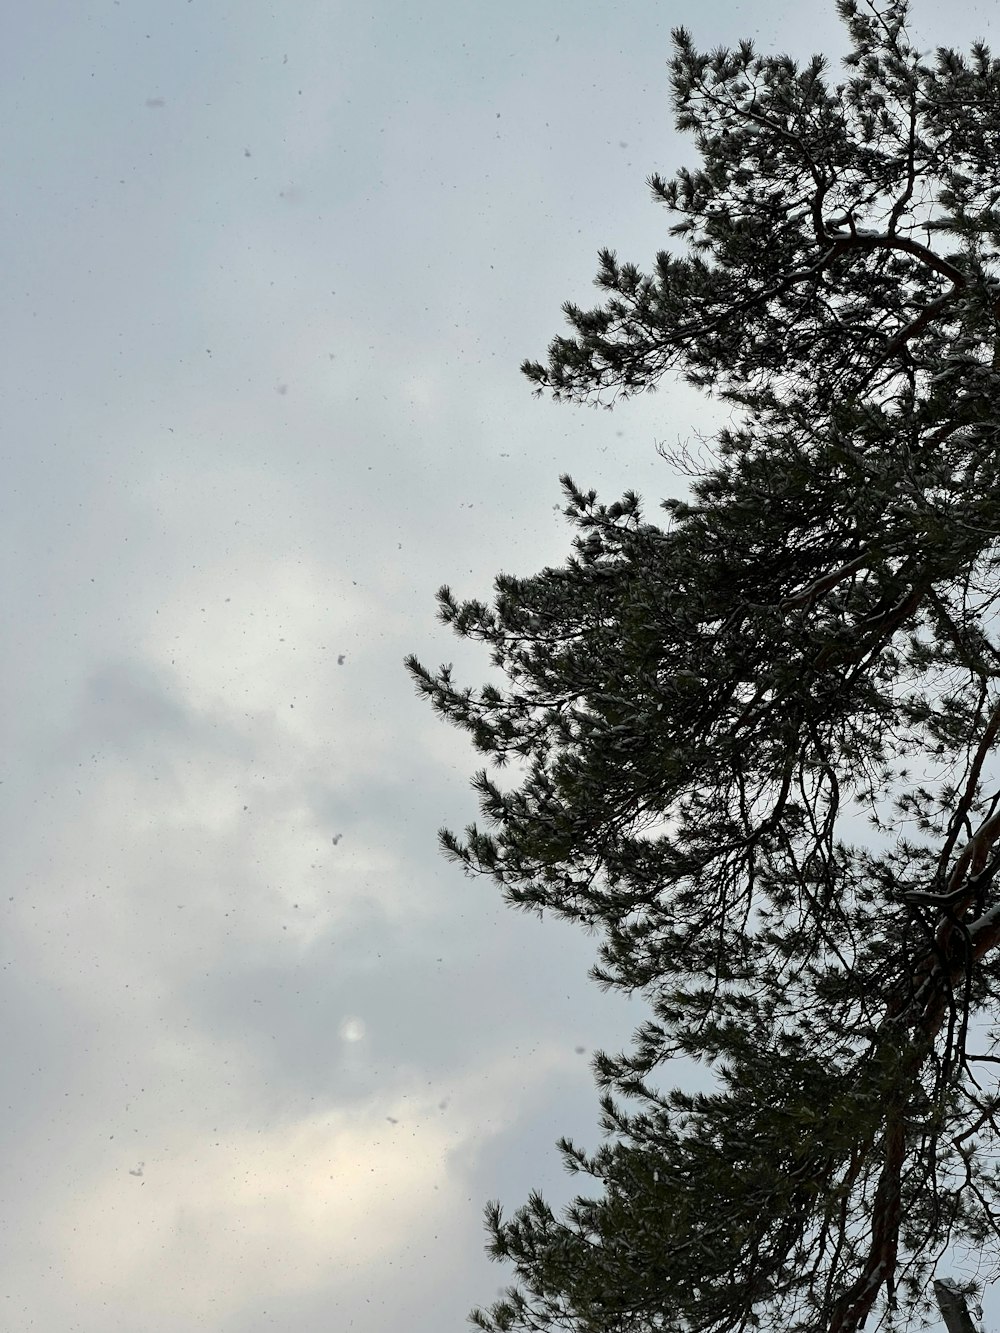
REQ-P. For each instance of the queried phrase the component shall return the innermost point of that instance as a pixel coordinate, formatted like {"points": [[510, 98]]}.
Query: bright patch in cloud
{"points": [[238, 1217], [352, 1029]]}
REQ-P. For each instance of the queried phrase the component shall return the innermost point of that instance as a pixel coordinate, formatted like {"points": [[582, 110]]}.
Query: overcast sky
{"points": [[269, 272]]}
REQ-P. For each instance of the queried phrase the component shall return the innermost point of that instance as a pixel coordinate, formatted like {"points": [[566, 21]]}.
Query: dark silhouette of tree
{"points": [[954, 1308], [702, 712]]}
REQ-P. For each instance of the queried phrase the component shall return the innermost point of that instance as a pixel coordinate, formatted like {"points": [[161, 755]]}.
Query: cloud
{"points": [[245, 1214]]}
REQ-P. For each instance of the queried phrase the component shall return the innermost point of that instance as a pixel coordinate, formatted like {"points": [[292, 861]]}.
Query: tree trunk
{"points": [[954, 1310]]}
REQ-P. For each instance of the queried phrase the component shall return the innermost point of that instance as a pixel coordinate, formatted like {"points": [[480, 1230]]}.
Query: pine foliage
{"points": [[700, 714]]}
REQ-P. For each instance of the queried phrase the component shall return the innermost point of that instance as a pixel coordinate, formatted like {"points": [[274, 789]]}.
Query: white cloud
{"points": [[245, 1214]]}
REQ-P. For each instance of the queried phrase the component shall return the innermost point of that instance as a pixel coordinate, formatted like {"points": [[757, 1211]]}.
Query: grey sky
{"points": [[269, 274]]}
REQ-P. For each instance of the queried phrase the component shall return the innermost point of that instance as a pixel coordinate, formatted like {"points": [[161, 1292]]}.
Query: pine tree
{"points": [[700, 715]]}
